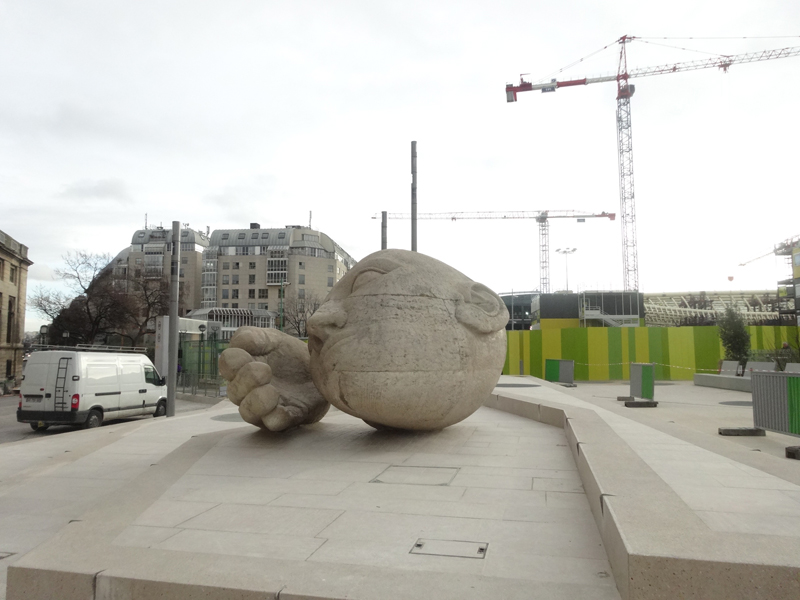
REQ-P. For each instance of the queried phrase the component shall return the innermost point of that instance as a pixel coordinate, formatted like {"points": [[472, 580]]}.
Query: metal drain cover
{"points": [[737, 403], [453, 548], [417, 475]]}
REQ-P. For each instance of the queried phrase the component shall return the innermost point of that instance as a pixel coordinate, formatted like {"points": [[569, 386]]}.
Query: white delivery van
{"points": [[73, 387]]}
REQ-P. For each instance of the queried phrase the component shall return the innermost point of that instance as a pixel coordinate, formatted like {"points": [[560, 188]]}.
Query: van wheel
{"points": [[37, 427], [161, 409], [95, 419]]}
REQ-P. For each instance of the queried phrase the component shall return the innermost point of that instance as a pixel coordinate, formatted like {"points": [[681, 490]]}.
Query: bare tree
{"points": [[144, 299], [48, 303], [297, 311]]}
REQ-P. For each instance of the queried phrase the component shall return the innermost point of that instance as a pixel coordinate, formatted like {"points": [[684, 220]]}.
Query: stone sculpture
{"points": [[402, 341]]}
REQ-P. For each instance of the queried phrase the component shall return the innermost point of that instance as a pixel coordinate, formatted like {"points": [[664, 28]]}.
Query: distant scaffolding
{"points": [[704, 308]]}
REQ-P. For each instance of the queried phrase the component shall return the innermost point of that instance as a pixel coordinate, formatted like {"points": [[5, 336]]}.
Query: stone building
{"points": [[14, 265], [149, 256], [244, 271]]}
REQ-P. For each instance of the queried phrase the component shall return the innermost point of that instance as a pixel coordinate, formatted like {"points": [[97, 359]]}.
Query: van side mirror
{"points": [[162, 381]]}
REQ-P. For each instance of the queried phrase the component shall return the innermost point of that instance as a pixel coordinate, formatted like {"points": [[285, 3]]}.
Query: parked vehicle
{"points": [[74, 387]]}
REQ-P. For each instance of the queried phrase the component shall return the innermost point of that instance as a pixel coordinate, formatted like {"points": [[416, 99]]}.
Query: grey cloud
{"points": [[107, 189]]}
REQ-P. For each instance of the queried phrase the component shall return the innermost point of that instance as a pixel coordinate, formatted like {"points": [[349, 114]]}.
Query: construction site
{"points": [[675, 330]]}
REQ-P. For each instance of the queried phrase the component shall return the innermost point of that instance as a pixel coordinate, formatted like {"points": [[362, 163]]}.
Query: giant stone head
{"points": [[405, 341]]}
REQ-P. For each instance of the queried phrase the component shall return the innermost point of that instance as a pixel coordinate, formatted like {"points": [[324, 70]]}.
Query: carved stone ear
{"points": [[482, 310]]}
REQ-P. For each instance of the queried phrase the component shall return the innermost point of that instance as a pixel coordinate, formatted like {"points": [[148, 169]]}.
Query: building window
{"points": [[226, 280], [226, 266], [184, 260], [138, 261], [252, 265], [236, 266], [330, 268], [251, 279], [225, 293], [301, 293], [265, 235], [235, 279], [277, 254], [241, 236], [181, 273], [251, 293], [254, 235], [262, 305], [224, 305], [234, 305], [12, 272], [263, 293], [251, 305], [234, 294], [310, 238], [330, 281], [225, 236], [281, 235], [301, 279], [301, 265], [242, 250], [2, 269]]}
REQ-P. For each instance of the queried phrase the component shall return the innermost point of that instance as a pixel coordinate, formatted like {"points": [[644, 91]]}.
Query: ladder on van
{"points": [[61, 402]]}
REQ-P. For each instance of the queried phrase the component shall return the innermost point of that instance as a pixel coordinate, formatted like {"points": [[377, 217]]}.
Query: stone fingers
{"points": [[249, 378], [258, 404], [253, 340]]}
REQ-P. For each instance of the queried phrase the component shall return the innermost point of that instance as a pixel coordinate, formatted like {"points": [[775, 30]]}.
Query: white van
{"points": [[73, 387]]}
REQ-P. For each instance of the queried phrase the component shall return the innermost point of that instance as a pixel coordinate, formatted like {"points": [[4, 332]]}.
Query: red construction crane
{"points": [[542, 217], [630, 261]]}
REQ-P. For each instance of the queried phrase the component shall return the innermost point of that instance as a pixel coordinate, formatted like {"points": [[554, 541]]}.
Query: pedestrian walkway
{"points": [[547, 492]]}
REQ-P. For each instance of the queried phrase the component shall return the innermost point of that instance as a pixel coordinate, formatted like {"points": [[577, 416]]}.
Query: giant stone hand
{"points": [[269, 380], [402, 341]]}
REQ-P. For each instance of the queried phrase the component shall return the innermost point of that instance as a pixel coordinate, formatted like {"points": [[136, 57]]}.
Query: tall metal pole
{"points": [[414, 196], [174, 294], [384, 218]]}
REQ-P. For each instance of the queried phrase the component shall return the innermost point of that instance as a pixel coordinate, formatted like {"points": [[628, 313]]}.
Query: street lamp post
{"points": [[566, 252], [201, 363], [283, 283]]}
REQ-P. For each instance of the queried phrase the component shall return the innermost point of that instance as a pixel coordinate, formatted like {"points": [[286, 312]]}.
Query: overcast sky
{"points": [[222, 113]]}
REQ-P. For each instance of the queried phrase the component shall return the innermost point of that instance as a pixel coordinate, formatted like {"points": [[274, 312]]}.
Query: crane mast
{"points": [[542, 217], [627, 202], [630, 260]]}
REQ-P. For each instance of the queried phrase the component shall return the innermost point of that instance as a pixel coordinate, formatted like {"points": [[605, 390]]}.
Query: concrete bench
{"points": [[792, 368], [768, 367], [729, 367]]}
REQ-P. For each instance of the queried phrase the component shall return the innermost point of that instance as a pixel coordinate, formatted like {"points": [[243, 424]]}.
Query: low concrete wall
{"points": [[658, 548], [724, 382]]}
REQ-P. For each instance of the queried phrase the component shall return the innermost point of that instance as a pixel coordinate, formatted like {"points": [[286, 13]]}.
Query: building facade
{"points": [[14, 265], [248, 270], [149, 256]]}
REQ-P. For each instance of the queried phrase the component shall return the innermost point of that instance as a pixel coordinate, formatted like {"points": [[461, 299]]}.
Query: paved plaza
{"points": [[546, 492]]}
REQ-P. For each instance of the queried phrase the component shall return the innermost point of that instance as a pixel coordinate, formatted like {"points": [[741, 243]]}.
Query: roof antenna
{"points": [[145, 220], [309, 219]]}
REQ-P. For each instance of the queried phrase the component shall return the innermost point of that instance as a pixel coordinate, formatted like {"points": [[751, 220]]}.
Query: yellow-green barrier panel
{"points": [[605, 353]]}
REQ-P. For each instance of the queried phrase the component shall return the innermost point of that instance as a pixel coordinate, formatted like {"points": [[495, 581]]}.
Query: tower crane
{"points": [[630, 260], [542, 217]]}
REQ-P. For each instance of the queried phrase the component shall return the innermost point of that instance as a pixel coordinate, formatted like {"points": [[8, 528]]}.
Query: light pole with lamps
{"points": [[283, 293], [566, 252]]}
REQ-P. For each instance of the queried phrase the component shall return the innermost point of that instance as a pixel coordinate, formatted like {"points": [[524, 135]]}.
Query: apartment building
{"points": [[14, 265], [149, 256], [246, 269]]}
